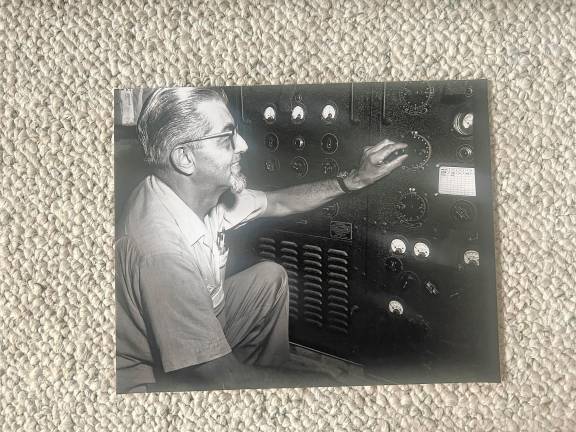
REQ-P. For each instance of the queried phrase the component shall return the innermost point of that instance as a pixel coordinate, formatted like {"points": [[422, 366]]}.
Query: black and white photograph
{"points": [[313, 216], [312, 235]]}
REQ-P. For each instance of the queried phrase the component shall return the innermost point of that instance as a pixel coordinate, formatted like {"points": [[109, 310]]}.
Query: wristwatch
{"points": [[340, 179]]}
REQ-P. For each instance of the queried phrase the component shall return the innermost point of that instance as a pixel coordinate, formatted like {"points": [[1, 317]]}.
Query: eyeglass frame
{"points": [[231, 133]]}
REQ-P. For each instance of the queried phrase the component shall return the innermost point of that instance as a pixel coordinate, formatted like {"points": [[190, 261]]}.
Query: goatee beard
{"points": [[238, 183]]}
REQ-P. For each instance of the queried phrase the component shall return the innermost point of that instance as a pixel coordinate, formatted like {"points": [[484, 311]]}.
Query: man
{"points": [[178, 320]]}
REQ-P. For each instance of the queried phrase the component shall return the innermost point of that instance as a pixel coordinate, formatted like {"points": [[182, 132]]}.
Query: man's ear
{"points": [[182, 158]]}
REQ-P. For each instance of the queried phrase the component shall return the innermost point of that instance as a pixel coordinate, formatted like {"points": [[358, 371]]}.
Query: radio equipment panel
{"points": [[398, 277]]}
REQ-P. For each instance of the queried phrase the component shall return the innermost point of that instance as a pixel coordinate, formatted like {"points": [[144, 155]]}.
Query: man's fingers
{"points": [[386, 152], [397, 162], [377, 147]]}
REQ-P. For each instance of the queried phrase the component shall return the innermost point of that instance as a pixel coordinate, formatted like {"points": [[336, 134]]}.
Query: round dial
{"points": [[271, 142], [464, 152], [300, 166], [329, 112], [421, 250], [464, 123], [396, 307], [415, 98], [463, 212], [330, 168], [393, 264], [472, 257], [419, 151], [299, 143], [409, 281], [397, 246], [412, 207], [269, 114], [329, 143], [298, 114]]}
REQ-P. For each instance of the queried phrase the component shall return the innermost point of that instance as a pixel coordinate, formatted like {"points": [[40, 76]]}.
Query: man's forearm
{"points": [[306, 197], [374, 165]]}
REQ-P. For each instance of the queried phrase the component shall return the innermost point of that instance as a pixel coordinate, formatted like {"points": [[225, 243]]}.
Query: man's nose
{"points": [[240, 145]]}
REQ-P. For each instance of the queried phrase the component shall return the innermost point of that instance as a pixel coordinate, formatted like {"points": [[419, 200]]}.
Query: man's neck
{"points": [[199, 197]]}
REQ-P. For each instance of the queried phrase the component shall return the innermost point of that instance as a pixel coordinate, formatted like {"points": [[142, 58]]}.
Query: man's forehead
{"points": [[216, 112]]}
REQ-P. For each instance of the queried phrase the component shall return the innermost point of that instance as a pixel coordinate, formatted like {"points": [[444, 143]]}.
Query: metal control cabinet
{"points": [[398, 277]]}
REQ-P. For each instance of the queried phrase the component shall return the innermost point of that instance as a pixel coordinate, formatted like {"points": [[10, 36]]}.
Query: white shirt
{"points": [[206, 238]]}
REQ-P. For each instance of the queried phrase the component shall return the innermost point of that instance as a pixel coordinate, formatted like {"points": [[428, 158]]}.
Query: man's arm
{"points": [[305, 197]]}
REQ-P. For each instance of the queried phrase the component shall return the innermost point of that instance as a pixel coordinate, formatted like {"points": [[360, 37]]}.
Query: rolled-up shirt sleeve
{"points": [[247, 205], [179, 312]]}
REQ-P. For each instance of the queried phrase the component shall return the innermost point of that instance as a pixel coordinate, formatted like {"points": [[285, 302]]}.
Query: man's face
{"points": [[218, 159]]}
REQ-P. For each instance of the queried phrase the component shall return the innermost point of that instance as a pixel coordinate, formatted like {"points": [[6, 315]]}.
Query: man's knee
{"points": [[274, 274]]}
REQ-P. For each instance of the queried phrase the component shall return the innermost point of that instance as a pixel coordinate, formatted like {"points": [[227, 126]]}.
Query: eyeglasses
{"points": [[230, 133]]}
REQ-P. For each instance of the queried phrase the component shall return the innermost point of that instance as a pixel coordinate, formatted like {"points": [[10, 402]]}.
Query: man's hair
{"points": [[170, 116]]}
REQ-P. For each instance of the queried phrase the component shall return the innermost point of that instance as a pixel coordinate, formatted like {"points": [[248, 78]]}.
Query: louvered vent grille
{"points": [[318, 279], [267, 248], [312, 292], [290, 261], [337, 289]]}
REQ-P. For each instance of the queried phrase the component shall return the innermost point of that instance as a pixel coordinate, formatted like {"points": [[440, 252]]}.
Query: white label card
{"points": [[457, 181]]}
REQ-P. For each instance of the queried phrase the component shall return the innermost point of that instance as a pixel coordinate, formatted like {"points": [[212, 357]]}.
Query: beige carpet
{"points": [[58, 66]]}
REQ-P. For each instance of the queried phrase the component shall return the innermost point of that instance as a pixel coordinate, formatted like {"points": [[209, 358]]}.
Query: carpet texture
{"points": [[59, 64]]}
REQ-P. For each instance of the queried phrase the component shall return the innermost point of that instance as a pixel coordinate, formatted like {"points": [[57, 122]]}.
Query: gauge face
{"points": [[412, 207], [329, 112], [329, 143], [299, 143], [463, 212], [300, 166], [421, 250], [416, 98], [271, 142], [269, 114], [398, 246], [298, 114], [464, 123], [472, 257], [419, 151], [396, 307], [330, 168]]}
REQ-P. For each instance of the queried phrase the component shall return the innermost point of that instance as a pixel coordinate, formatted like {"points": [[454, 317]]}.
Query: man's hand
{"points": [[376, 164]]}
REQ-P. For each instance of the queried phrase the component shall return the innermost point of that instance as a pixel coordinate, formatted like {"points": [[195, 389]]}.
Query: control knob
{"points": [[300, 166], [409, 281], [299, 143]]}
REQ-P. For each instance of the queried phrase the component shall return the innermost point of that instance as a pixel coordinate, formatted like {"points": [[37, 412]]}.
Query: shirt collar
{"points": [[188, 222]]}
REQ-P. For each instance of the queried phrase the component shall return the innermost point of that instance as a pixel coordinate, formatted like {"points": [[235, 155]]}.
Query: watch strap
{"points": [[342, 185]]}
